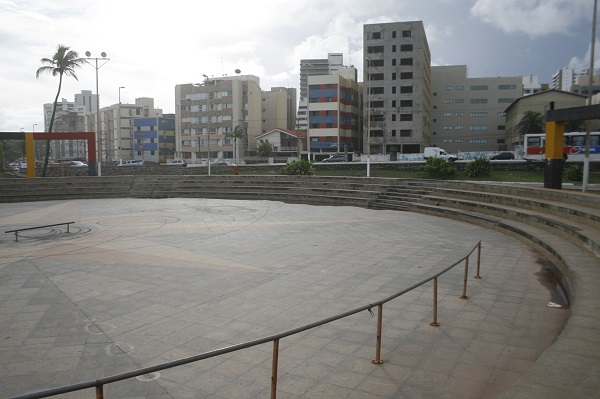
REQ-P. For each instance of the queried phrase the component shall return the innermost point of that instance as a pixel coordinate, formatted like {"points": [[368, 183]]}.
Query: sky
{"points": [[154, 46]]}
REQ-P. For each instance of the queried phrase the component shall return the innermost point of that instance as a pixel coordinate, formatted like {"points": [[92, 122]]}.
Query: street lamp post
{"points": [[98, 132], [368, 118], [119, 123], [208, 122]]}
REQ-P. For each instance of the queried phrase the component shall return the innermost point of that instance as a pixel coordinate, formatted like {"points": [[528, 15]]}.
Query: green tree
{"points": [[575, 126], [264, 149], [63, 62], [237, 134], [531, 122]]}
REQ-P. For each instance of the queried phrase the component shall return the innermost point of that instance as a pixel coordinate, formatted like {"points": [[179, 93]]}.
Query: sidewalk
{"points": [[141, 282]]}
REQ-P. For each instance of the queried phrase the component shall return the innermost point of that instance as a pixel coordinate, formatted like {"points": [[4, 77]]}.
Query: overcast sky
{"points": [[153, 46]]}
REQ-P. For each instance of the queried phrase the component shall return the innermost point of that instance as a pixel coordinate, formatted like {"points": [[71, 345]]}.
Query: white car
{"points": [[180, 162], [78, 164], [135, 162]]}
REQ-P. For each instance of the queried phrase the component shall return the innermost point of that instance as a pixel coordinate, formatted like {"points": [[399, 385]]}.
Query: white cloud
{"points": [[534, 17]]}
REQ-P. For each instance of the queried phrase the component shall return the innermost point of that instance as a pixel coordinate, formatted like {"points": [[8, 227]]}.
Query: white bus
{"points": [[534, 146]]}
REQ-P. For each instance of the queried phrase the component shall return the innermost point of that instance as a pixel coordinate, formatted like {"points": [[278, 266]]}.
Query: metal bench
{"points": [[16, 231]]}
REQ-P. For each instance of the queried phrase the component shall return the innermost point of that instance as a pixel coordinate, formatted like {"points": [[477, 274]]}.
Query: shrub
{"points": [[574, 173], [479, 167], [299, 167], [438, 168]]}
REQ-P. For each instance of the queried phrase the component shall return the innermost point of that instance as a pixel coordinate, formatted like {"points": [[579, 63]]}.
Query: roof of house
{"points": [[295, 133]]}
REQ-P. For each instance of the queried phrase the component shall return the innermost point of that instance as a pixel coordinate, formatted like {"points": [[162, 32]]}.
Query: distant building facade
{"points": [[469, 113], [314, 67], [334, 109], [207, 114], [397, 76], [279, 109], [539, 102], [154, 138]]}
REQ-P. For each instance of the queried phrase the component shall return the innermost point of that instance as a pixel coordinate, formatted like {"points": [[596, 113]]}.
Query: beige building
{"points": [[207, 114], [397, 78], [539, 102], [468, 113], [278, 109]]}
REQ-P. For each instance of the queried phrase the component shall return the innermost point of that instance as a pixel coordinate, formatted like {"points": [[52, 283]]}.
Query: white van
{"points": [[437, 152], [133, 162]]}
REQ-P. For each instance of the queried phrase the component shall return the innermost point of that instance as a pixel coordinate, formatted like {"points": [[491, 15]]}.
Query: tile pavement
{"points": [[139, 282]]}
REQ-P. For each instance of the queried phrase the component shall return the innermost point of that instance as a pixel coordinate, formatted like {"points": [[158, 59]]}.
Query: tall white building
{"points": [[397, 76]]}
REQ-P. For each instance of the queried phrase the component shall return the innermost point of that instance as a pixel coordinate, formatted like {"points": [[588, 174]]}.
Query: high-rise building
{"points": [[69, 117], [314, 67], [208, 113], [397, 88], [334, 109], [469, 113]]}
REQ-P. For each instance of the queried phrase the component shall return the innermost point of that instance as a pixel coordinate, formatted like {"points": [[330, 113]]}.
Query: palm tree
{"points": [[264, 149], [238, 133], [63, 62], [531, 122]]}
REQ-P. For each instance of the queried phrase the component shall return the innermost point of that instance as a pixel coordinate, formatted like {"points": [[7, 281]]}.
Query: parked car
{"points": [[503, 156], [219, 162], [336, 158], [78, 164], [179, 162], [436, 152]]}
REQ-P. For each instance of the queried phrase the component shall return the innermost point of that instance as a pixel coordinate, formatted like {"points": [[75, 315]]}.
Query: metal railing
{"points": [[101, 382], [16, 231]]}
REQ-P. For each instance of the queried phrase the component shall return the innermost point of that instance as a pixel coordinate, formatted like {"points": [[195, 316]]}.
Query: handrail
{"points": [[99, 383]]}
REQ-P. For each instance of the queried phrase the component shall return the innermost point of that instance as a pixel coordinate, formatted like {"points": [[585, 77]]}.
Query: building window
{"points": [[406, 47], [374, 49], [501, 113], [393, 75], [393, 48], [393, 117], [406, 61], [505, 100], [406, 103], [376, 76], [478, 114], [406, 33], [501, 127], [478, 101], [406, 89], [405, 133], [477, 141], [479, 87], [393, 132], [393, 34], [393, 103], [393, 89], [376, 63], [376, 90], [406, 117], [377, 104], [406, 75], [478, 127], [507, 87], [376, 35], [393, 62]]}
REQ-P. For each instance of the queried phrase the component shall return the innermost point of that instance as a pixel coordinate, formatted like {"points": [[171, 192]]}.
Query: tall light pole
{"points": [[98, 132], [368, 117], [586, 159], [208, 120]]}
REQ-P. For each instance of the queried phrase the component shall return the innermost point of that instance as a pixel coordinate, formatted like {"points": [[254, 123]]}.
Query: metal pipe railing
{"points": [[275, 338]]}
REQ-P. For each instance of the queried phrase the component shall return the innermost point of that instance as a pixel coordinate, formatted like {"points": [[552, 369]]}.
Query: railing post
{"points": [[99, 391], [274, 369], [477, 276], [435, 322], [464, 295], [377, 359]]}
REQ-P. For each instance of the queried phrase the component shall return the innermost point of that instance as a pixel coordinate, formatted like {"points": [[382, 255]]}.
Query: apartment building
{"points": [[334, 110], [397, 76], [314, 67], [469, 113], [117, 128], [69, 117], [154, 138], [279, 109], [207, 114]]}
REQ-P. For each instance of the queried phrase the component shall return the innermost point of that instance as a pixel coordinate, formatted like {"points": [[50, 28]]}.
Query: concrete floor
{"points": [[137, 282]]}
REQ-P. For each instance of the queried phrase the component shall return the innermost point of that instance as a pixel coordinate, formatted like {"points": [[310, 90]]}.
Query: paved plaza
{"points": [[138, 282]]}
